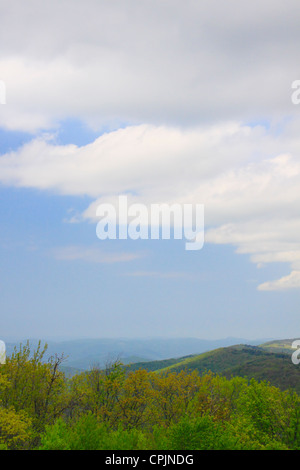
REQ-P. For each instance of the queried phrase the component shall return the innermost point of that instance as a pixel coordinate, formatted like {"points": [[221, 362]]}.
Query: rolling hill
{"points": [[258, 362], [82, 354], [269, 361]]}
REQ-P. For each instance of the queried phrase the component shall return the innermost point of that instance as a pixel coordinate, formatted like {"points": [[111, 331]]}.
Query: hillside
{"points": [[260, 363], [82, 354], [269, 361], [280, 346]]}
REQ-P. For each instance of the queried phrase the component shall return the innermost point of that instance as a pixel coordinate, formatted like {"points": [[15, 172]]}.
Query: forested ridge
{"points": [[261, 363], [116, 408]]}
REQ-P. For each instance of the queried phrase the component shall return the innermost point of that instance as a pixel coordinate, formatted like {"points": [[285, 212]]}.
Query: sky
{"points": [[165, 102]]}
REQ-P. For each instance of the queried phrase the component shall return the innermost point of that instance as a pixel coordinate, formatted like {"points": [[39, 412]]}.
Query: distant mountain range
{"points": [[82, 354], [268, 360]]}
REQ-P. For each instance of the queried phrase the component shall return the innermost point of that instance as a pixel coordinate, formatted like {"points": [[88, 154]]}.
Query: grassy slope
{"points": [[281, 346], [260, 363]]}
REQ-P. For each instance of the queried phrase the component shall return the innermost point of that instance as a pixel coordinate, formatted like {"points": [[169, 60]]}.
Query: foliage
{"points": [[34, 390], [121, 409], [261, 363]]}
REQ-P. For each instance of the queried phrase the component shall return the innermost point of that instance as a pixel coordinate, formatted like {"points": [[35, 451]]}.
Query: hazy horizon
{"points": [[59, 339]]}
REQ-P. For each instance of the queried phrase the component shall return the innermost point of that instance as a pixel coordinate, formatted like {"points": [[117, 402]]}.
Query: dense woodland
{"points": [[120, 409]]}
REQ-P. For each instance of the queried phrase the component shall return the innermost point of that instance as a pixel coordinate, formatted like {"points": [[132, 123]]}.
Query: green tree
{"points": [[36, 387], [15, 427], [200, 433], [97, 391]]}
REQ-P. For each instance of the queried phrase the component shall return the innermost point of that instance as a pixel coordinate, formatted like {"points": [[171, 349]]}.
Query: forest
{"points": [[115, 408]]}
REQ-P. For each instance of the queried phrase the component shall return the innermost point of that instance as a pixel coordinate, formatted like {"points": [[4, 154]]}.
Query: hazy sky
{"points": [[164, 101]]}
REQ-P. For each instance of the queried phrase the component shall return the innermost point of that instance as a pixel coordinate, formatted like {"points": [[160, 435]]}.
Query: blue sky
{"points": [[154, 103]]}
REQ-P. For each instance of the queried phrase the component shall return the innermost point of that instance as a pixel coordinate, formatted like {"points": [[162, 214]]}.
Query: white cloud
{"points": [[136, 157], [247, 178], [292, 281], [145, 159]]}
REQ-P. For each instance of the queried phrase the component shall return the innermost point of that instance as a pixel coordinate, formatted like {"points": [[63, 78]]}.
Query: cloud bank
{"points": [[161, 63], [250, 189]]}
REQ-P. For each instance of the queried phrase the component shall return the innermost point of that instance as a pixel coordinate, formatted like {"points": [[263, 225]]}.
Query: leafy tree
{"points": [[14, 426], [133, 406], [97, 391], [173, 393], [14, 429], [36, 387], [88, 433], [200, 433], [270, 415]]}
